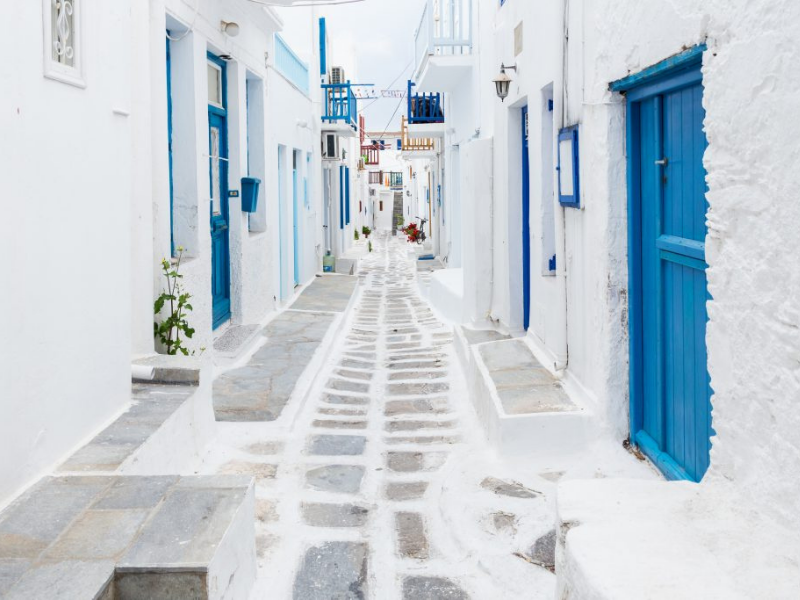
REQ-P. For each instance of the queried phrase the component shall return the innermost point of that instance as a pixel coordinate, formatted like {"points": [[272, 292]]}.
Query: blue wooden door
{"points": [[218, 178], [281, 226], [526, 224], [295, 216], [672, 421]]}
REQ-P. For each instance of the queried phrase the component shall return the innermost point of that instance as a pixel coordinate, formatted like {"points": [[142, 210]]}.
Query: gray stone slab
{"points": [[512, 354], [235, 338], [350, 374], [345, 479], [335, 424], [135, 492], [181, 370], [334, 515], [480, 336], [405, 462], [342, 412], [261, 471], [11, 569], [434, 406], [504, 522], [401, 491], [41, 514], [432, 588], [99, 457], [535, 399], [183, 585], [351, 363], [543, 551], [417, 375], [337, 445], [265, 448], [417, 364], [411, 539], [416, 389], [344, 385], [393, 426], [421, 439], [186, 529], [511, 489], [333, 571], [266, 510], [98, 534], [514, 378], [64, 580], [346, 400]]}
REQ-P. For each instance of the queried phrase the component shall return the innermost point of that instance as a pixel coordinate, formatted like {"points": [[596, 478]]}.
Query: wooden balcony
{"points": [[416, 145]]}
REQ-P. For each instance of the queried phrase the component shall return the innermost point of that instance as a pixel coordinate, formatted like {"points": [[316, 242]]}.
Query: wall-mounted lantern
{"points": [[503, 82], [229, 28]]}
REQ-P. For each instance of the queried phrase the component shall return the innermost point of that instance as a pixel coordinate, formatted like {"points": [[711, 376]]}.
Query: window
{"points": [[214, 84], [381, 205], [569, 193], [63, 60]]}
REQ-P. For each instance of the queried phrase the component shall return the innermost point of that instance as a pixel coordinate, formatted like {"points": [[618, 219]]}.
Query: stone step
{"points": [[128, 538]]}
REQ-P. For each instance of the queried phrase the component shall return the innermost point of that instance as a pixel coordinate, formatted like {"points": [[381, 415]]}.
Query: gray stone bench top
{"points": [[152, 405], [67, 537], [522, 384]]}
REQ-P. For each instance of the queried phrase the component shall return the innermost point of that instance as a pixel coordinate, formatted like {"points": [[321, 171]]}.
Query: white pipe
{"points": [[143, 372]]}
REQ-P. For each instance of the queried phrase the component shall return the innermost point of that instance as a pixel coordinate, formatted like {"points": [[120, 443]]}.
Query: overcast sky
{"points": [[377, 34]]}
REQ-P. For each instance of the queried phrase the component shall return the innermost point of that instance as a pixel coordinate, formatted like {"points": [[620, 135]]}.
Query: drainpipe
{"points": [[560, 345]]}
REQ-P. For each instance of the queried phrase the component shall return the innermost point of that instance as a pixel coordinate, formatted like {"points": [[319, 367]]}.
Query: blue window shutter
{"points": [[565, 197], [341, 197]]}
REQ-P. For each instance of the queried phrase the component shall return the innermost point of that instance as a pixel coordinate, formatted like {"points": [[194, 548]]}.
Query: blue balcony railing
{"points": [[424, 108], [290, 66], [396, 180], [444, 30], [340, 104]]}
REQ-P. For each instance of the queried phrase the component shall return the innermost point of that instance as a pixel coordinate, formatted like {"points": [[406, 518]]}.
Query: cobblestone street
{"points": [[382, 487]]}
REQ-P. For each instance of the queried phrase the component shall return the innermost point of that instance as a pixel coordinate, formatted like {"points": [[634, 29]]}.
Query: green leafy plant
{"points": [[366, 231], [176, 301], [355, 234], [370, 245]]}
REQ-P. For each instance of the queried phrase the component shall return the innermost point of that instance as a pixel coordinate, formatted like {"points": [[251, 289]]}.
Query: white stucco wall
{"points": [[64, 359]]}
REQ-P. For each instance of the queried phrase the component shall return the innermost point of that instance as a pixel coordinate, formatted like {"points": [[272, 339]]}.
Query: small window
{"points": [[214, 85], [381, 205], [569, 193], [62, 37]]}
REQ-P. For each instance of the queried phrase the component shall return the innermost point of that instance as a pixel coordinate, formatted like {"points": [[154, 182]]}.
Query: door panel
{"points": [[675, 404], [526, 224]]}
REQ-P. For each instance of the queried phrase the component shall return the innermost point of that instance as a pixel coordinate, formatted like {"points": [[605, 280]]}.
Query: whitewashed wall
{"points": [[66, 302]]}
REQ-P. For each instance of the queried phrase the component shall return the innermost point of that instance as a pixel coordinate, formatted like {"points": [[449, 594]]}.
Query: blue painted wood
{"points": [[570, 200], [323, 47], [219, 220], [667, 68], [281, 228], [670, 386], [296, 225], [347, 195], [340, 104], [526, 224], [341, 197], [423, 108], [169, 142]]}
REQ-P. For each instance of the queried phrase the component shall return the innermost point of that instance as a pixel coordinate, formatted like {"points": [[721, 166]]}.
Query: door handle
{"points": [[663, 162]]}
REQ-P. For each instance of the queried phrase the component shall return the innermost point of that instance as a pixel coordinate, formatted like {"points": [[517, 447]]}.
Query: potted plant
{"points": [[366, 231]]}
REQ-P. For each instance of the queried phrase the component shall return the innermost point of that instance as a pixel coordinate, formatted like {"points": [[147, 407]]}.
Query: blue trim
{"points": [[169, 146], [341, 197], [573, 200], [347, 195], [526, 225], [663, 461], [688, 59], [423, 108], [340, 104], [291, 66], [323, 47]]}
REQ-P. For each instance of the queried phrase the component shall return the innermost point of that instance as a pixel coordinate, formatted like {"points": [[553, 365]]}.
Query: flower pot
{"points": [[250, 194]]}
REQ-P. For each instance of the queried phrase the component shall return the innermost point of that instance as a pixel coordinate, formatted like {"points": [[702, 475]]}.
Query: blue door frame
{"points": [[169, 149], [526, 224], [219, 209], [295, 217], [669, 383], [281, 227]]}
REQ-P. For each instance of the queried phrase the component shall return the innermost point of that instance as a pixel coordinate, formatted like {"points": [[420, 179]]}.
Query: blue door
{"points": [[218, 176], [526, 224], [281, 226], [671, 410], [295, 216]]}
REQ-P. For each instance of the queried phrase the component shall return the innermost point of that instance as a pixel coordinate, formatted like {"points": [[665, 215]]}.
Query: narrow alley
{"points": [[381, 486]]}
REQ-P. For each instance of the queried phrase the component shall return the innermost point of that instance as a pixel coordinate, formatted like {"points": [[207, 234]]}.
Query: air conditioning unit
{"points": [[330, 146], [337, 75]]}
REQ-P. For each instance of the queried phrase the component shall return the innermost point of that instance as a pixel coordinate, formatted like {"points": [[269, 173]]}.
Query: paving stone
{"points": [[64, 580], [333, 424], [327, 293], [266, 510], [265, 448], [337, 445], [415, 407], [98, 534], [266, 543], [416, 389], [135, 492], [393, 426], [401, 491], [343, 412], [334, 515], [417, 364], [350, 374], [504, 521], [261, 471], [346, 400], [416, 375], [333, 571], [11, 569], [344, 479], [543, 551], [424, 440], [411, 539], [409, 462], [432, 588], [348, 386], [508, 488], [350, 363]]}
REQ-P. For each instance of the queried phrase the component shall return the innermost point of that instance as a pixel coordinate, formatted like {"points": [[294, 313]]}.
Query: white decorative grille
{"points": [[62, 32]]}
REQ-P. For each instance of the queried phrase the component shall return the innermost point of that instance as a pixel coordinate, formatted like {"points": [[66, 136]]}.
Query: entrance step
{"points": [[128, 538], [164, 431], [521, 404], [235, 341]]}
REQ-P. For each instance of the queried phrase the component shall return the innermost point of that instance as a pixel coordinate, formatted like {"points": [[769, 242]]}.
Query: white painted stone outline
{"points": [[72, 75]]}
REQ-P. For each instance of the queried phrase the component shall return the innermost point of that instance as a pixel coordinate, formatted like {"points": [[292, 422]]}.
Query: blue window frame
{"points": [[569, 188], [347, 195], [341, 197]]}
